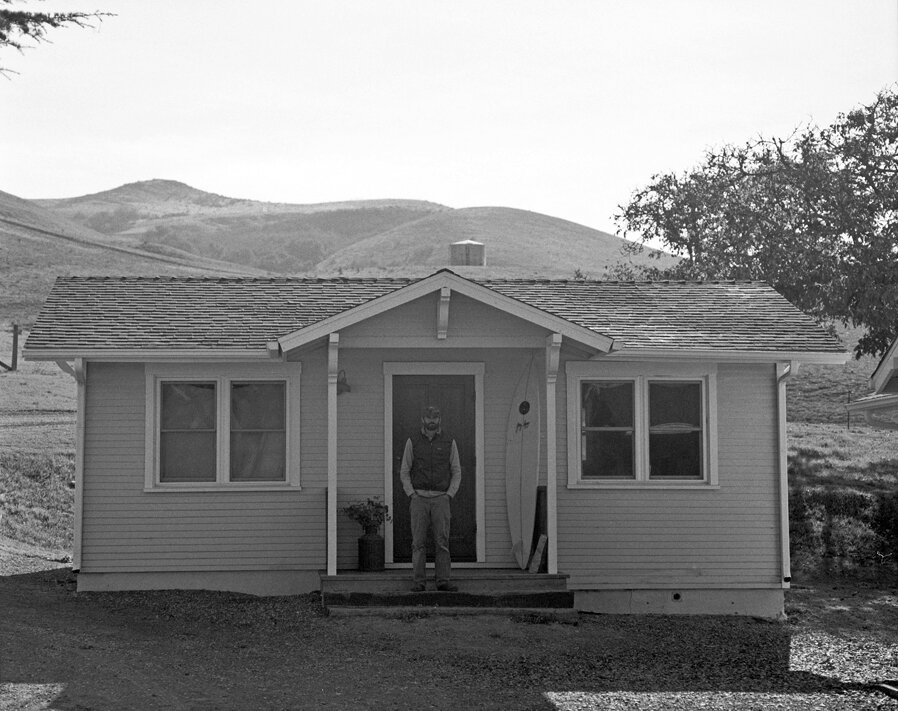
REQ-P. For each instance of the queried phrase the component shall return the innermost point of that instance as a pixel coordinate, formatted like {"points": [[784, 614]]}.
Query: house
{"points": [[223, 423], [880, 408]]}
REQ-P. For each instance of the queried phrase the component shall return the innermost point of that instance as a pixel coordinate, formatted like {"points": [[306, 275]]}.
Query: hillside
{"points": [[278, 237], [517, 243], [38, 245], [362, 236]]}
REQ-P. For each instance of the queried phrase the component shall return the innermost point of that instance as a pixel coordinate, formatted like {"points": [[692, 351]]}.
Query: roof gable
{"points": [[440, 281]]}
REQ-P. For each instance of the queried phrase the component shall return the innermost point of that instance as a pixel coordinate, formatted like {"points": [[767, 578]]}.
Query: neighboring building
{"points": [[223, 423], [880, 409]]}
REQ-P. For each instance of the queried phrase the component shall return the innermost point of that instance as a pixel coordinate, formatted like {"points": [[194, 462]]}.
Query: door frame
{"points": [[436, 368]]}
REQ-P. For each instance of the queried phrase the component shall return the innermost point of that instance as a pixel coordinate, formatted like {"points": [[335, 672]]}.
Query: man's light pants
{"points": [[431, 512]]}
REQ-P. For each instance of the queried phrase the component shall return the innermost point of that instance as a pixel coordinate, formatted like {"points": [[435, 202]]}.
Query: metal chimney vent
{"points": [[467, 253]]}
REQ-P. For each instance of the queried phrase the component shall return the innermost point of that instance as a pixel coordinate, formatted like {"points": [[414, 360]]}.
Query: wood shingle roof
{"points": [[91, 314]]}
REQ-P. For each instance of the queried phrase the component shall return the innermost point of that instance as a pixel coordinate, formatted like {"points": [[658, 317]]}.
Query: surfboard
{"points": [[522, 462]]}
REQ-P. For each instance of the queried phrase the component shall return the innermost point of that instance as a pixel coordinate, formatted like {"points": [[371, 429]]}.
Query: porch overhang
{"points": [[445, 283], [880, 411]]}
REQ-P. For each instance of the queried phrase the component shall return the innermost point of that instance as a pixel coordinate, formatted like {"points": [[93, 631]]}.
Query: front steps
{"points": [[480, 591]]}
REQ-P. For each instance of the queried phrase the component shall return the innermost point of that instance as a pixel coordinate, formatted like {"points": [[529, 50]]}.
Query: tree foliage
{"points": [[19, 27], [814, 214]]}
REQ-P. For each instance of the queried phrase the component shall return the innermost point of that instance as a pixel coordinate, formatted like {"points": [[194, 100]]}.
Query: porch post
{"points": [[553, 353], [333, 348]]}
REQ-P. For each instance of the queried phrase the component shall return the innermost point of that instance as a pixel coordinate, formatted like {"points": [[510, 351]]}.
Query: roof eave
{"points": [[873, 403], [134, 355], [727, 356]]}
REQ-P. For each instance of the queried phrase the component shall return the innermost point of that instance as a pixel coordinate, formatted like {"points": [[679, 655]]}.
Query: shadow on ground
{"points": [[198, 650]]}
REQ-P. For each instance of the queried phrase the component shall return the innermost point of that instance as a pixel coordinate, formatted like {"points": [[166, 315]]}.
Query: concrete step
{"points": [[520, 600], [468, 580], [541, 615]]}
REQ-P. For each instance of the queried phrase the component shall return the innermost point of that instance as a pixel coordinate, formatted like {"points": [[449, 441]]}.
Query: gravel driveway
{"points": [[200, 650]]}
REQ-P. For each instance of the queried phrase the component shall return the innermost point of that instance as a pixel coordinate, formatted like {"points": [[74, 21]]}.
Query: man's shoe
{"points": [[419, 587], [447, 587]]}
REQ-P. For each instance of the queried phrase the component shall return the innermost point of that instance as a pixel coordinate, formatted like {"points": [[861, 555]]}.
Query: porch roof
{"points": [[88, 316]]}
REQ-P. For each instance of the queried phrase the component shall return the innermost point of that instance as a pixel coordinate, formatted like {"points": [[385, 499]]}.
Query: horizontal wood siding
{"points": [[468, 318], [128, 530], [616, 538], [360, 444]]}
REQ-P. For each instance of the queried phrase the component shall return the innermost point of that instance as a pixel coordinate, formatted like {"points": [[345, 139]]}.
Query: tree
{"points": [[815, 215], [17, 27]]}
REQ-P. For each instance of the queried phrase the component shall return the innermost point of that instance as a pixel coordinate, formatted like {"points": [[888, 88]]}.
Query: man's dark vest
{"points": [[430, 462]]}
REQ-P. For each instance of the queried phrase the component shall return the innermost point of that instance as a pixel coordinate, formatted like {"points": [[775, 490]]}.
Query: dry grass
{"points": [[37, 404], [36, 499], [843, 486]]}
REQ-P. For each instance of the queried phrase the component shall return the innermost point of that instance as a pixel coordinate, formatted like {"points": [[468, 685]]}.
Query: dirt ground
{"points": [[204, 650]]}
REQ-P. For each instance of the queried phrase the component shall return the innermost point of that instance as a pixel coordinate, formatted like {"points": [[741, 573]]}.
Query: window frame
{"points": [[223, 377], [641, 375]]}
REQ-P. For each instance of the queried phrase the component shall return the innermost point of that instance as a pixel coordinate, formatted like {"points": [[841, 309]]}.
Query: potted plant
{"points": [[370, 515]]}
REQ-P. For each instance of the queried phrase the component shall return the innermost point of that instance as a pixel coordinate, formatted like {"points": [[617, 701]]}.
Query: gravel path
{"points": [[201, 650]]}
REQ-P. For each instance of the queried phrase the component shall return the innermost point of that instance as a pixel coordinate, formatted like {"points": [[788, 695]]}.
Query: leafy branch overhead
{"points": [[18, 27], [814, 214]]}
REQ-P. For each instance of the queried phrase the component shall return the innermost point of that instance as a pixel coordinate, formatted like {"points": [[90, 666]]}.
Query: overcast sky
{"points": [[562, 107]]}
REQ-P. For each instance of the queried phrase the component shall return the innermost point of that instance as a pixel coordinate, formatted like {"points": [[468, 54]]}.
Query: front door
{"points": [[454, 395]]}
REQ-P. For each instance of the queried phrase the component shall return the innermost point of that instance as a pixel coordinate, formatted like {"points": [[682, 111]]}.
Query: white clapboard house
{"points": [[224, 423]]}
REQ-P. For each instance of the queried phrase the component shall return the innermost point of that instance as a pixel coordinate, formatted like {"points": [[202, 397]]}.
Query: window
{"points": [[258, 432], [675, 430], [187, 432], [608, 429], [650, 428], [221, 432]]}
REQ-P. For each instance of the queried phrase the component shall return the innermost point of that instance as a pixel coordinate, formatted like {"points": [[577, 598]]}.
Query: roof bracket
{"points": [[76, 371], [553, 356], [274, 350], [785, 371], [443, 313]]}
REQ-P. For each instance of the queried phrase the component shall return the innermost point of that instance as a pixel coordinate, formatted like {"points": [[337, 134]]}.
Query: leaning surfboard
{"points": [[522, 463]]}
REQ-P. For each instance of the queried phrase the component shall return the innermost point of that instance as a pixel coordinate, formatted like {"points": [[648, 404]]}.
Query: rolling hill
{"points": [[278, 237], [38, 245], [517, 243], [362, 236]]}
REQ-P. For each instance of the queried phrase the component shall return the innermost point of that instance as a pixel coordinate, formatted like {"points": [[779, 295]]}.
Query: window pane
{"points": [[675, 455], [258, 431], [258, 456], [187, 437], [257, 406], [187, 456], [607, 455], [675, 403], [188, 406], [607, 404]]}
